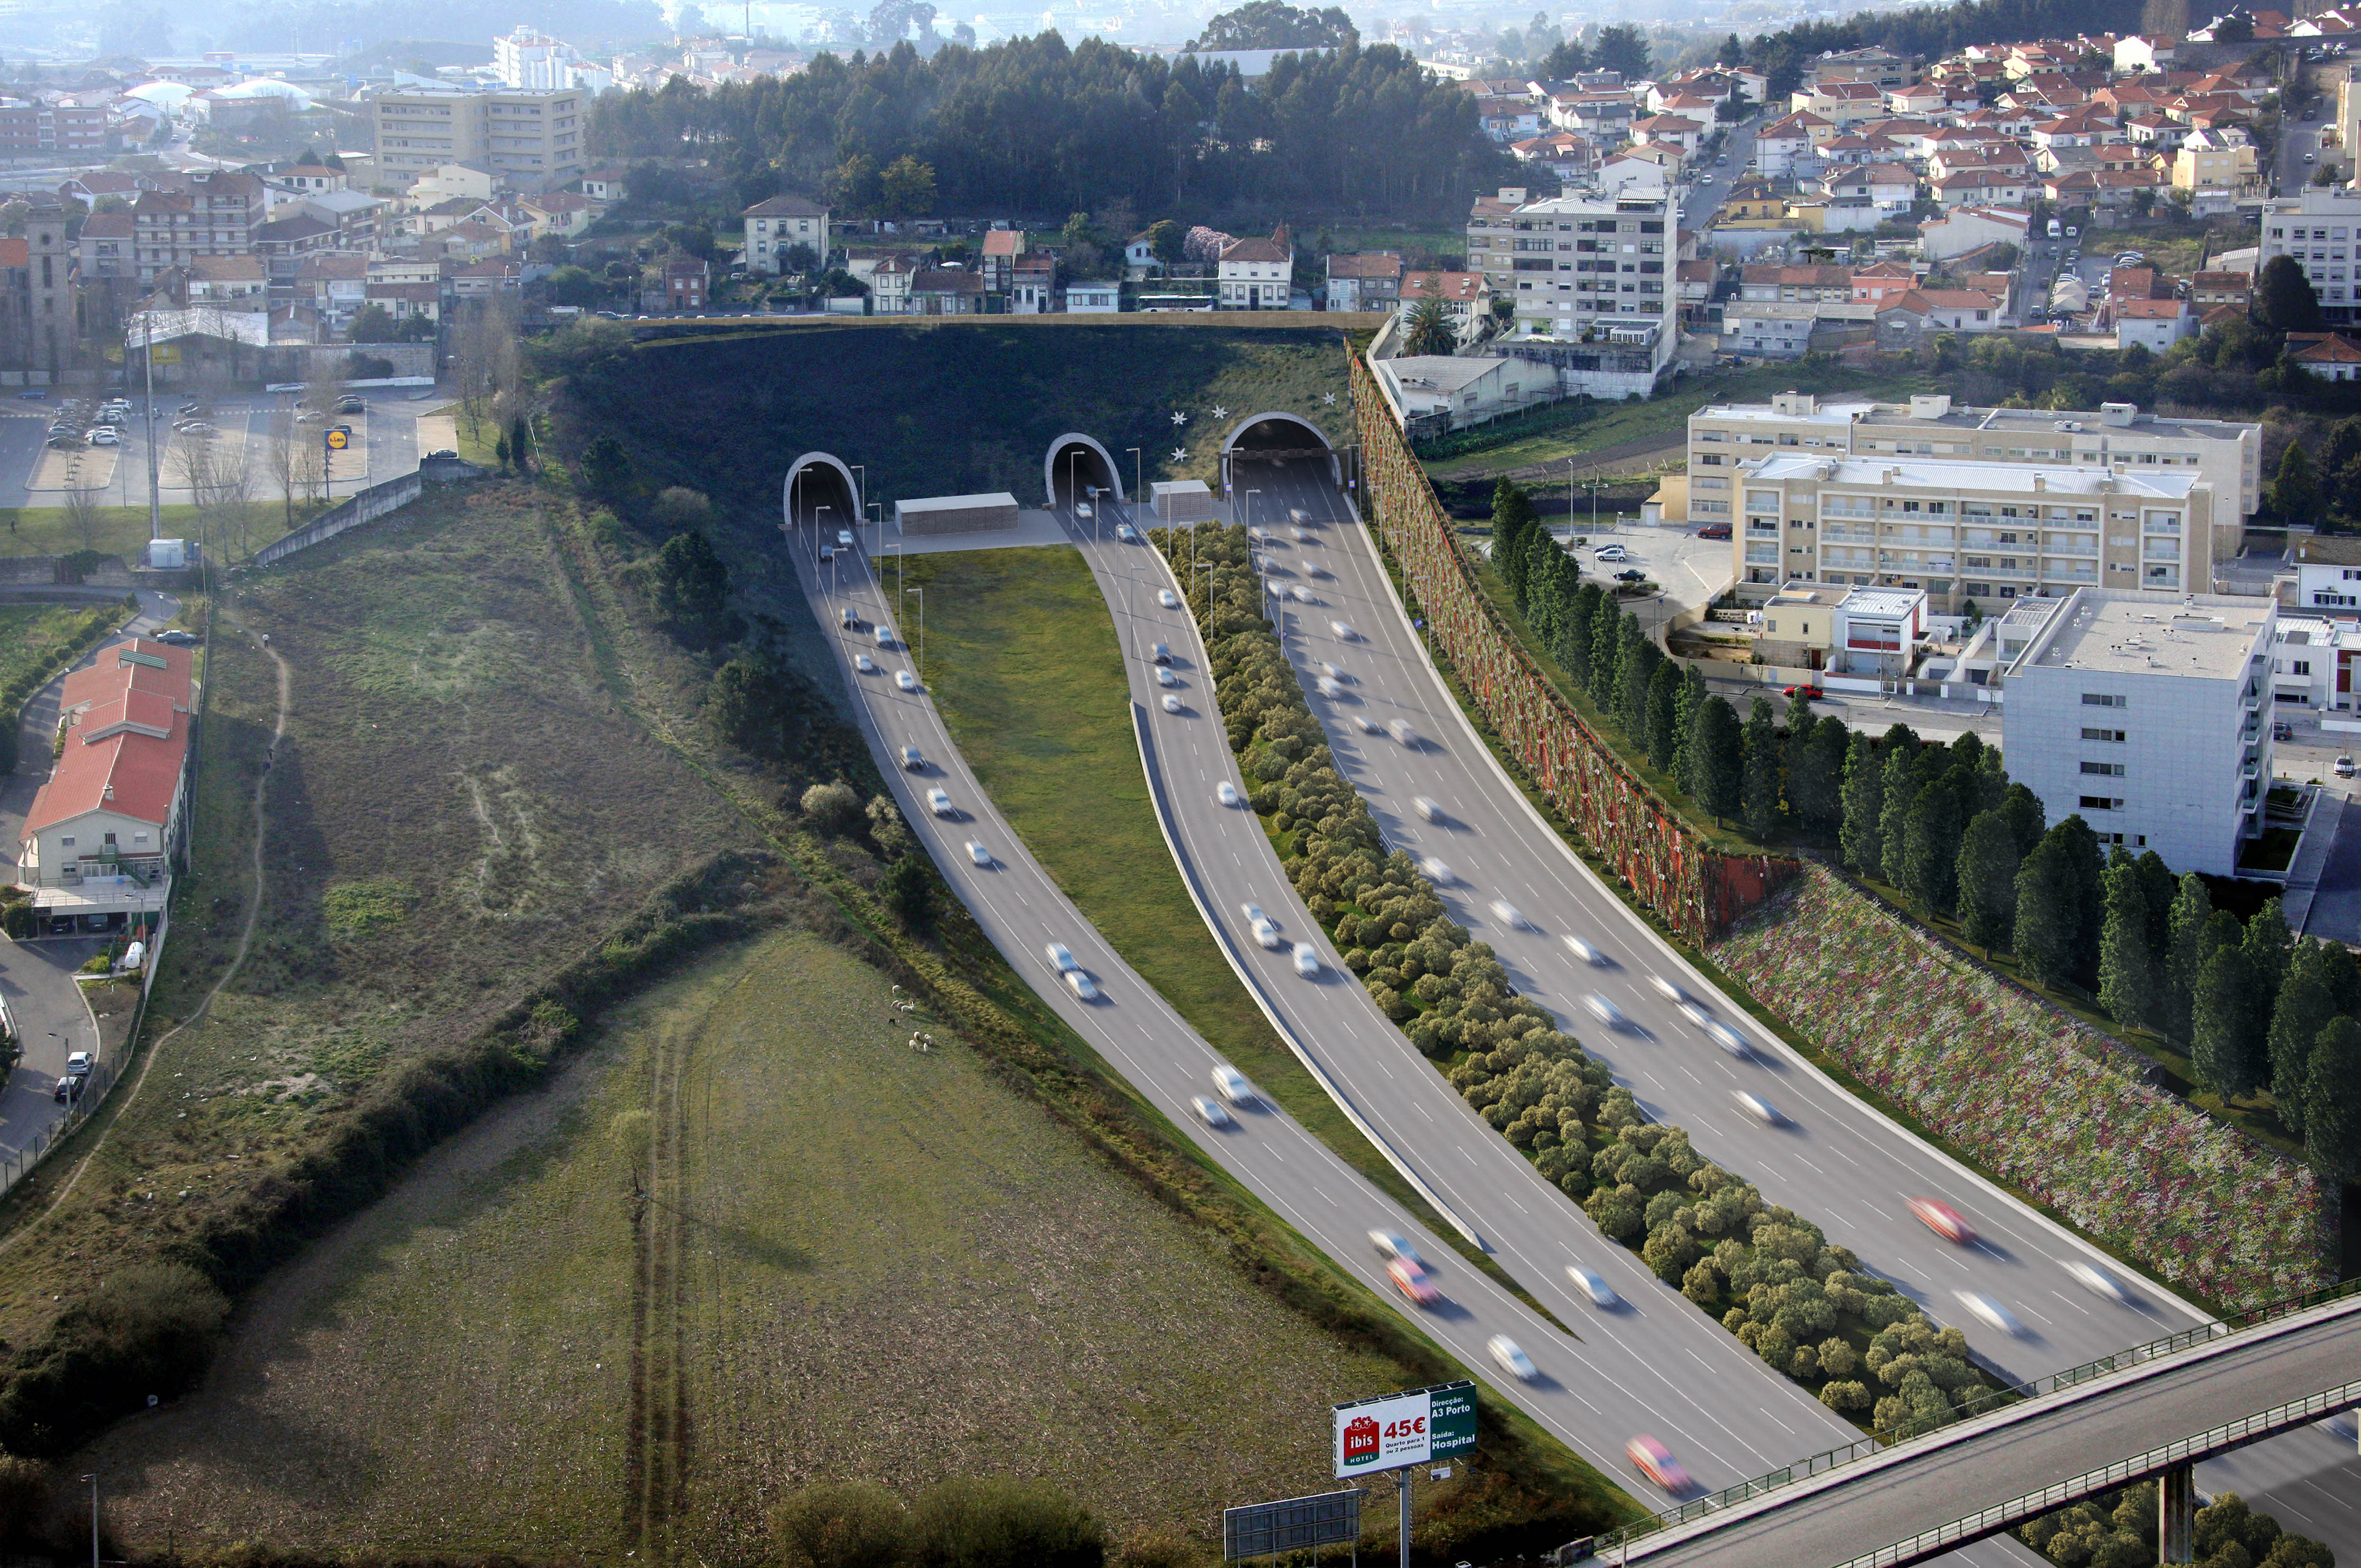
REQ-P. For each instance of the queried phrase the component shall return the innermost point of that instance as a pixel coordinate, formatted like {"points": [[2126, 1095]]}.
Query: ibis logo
{"points": [[1360, 1440]]}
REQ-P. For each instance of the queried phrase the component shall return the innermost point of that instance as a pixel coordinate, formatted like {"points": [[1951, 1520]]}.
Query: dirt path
{"points": [[655, 1460], [236, 962]]}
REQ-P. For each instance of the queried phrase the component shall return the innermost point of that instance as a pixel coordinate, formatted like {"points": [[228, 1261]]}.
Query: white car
{"points": [[1266, 934], [1762, 1110], [1160, 653], [1400, 731], [1331, 671], [978, 853], [1330, 689], [2091, 1276], [1393, 1243], [103, 435], [1508, 914], [1670, 990], [1610, 552], [864, 663], [1165, 677], [1437, 872], [1062, 958], [1512, 1358], [1426, 808], [1593, 1285], [1728, 1038], [1172, 703], [1694, 1013], [1169, 599], [844, 538], [1226, 792], [1307, 960], [1589, 952], [1080, 984], [1082, 509], [1210, 1112], [885, 637], [938, 801], [1303, 536], [1298, 516], [1302, 595], [905, 680], [912, 760], [1990, 1313], [1235, 1085], [1345, 630], [1365, 724], [1314, 569], [1606, 1012], [1127, 533]]}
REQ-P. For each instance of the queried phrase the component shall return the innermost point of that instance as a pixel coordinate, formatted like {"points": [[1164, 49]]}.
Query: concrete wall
{"points": [[372, 503]]}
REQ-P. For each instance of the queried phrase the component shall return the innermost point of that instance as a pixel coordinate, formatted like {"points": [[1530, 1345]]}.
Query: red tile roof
{"points": [[124, 753]]}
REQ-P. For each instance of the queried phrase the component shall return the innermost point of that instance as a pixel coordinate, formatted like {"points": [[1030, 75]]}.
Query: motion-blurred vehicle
{"points": [[1307, 960], [1226, 792], [1762, 1110], [1943, 1220], [1166, 598], [1587, 951], [1437, 872], [1508, 914], [938, 801], [1235, 1085], [1412, 1281], [1657, 1463], [978, 853], [2091, 1278], [1990, 1313], [1400, 729], [1172, 703], [1393, 1243], [1343, 630], [1210, 1112], [1606, 1012], [1593, 1285], [1512, 1358], [1426, 808]]}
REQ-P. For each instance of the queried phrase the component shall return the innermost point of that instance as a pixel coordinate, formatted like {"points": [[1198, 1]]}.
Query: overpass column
{"points": [[2176, 1531]]}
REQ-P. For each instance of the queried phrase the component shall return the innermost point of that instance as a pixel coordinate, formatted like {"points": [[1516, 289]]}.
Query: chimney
{"points": [[2041, 482]]}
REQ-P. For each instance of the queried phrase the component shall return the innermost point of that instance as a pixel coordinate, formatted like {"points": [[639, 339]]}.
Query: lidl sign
{"points": [[1395, 1430]]}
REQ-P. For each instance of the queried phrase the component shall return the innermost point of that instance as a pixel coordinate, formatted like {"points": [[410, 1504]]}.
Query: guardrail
{"points": [[2139, 1354]]}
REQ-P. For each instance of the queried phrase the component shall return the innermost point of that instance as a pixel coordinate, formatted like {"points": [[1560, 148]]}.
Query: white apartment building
{"points": [[2311, 667], [1586, 263], [531, 139], [1992, 532], [532, 60], [2148, 718], [2223, 455], [2321, 229]]}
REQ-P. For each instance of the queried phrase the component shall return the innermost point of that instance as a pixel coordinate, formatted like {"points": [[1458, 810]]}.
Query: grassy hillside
{"points": [[944, 409], [839, 1236]]}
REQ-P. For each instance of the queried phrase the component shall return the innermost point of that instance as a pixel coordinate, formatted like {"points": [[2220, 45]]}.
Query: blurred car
{"points": [[1508, 914], [1160, 653], [1076, 981], [1393, 1243], [1657, 1463], [905, 680], [1990, 1313], [1412, 1281], [186, 409], [1400, 731], [1314, 569], [864, 663], [1437, 872], [938, 801], [1728, 1038], [1943, 1220], [1334, 672], [1345, 630], [1165, 677], [2091, 1278], [1210, 1112], [1593, 1285], [1329, 689], [978, 853], [1062, 958], [885, 635], [1235, 1085], [1694, 1011], [1226, 792], [1670, 990], [1298, 515], [1307, 960], [1606, 1012], [912, 760], [1168, 598], [1172, 703], [1365, 724], [1589, 952], [1265, 930], [1302, 595], [1512, 1358], [1426, 808], [353, 406], [2345, 767], [65, 441], [1762, 1110], [1127, 533], [845, 539], [1302, 534]]}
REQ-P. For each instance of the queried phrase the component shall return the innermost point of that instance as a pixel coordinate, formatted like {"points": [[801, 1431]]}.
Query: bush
{"points": [[831, 809], [844, 1524], [147, 1329], [908, 892], [679, 508], [965, 1523]]}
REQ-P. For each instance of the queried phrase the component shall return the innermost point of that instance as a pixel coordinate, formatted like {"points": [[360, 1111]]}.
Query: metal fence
{"points": [[17, 1164]]}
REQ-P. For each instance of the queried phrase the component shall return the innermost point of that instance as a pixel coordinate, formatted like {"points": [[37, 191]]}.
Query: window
{"points": [[2114, 735], [2100, 699], [2103, 769], [67, 842], [2101, 802]]}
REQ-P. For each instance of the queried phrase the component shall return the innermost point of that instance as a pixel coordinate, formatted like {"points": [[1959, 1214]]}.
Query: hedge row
{"points": [[96, 624], [1804, 1305]]}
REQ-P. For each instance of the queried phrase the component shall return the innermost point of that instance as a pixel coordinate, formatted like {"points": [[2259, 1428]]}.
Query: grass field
{"points": [[1553, 435], [32, 634], [123, 530], [881, 1264], [2177, 254]]}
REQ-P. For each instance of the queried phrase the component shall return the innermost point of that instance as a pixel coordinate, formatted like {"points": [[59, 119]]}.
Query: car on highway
{"points": [[1302, 595], [1160, 653], [1714, 531], [1334, 672], [2097, 1280], [1400, 729], [1657, 1463], [905, 680], [1166, 598], [1728, 1038], [1225, 793], [1412, 1281], [1062, 958], [1172, 703], [1437, 872], [1345, 630], [828, 552], [1210, 1112], [1990, 1313], [1587, 951], [1299, 516], [1365, 724], [911, 760], [1393, 1243], [864, 663], [1235, 1085], [1754, 1105], [845, 539], [1593, 1285], [1606, 1012], [1314, 569], [1076, 981], [1670, 990], [1303, 536], [1307, 960], [938, 801], [1426, 808], [978, 853], [1165, 677], [1329, 688], [1512, 1358], [1942, 1219], [1266, 931], [1127, 533], [1508, 914]]}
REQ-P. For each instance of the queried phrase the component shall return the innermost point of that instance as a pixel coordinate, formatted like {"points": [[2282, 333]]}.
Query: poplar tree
{"points": [[2044, 933], [1864, 807], [1686, 705], [2185, 953], [1664, 714], [2221, 1049], [1930, 847], [1716, 758], [2332, 1092], [2269, 947], [1902, 786], [2306, 1002], [1762, 768], [2127, 972], [1574, 637], [1987, 881]]}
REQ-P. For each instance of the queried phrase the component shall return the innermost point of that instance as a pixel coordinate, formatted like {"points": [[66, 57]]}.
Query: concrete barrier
{"points": [[368, 506]]}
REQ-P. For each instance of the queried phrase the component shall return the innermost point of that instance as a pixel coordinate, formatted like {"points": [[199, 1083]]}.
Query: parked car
{"points": [[2345, 767], [1714, 531], [1630, 574], [1610, 552], [179, 639], [351, 406]]}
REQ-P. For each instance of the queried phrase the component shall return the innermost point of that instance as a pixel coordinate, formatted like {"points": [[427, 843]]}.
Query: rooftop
{"points": [[2205, 636], [1919, 474]]}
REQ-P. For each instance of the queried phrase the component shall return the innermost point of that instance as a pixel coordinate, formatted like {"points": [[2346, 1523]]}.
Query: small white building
{"points": [[2149, 720], [1256, 274], [777, 225], [1095, 299], [2311, 665], [1442, 392], [1969, 228], [2155, 324], [2327, 576]]}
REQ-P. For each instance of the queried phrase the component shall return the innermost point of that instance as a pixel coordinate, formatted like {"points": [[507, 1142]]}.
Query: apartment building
{"points": [[776, 225], [530, 59], [1596, 293], [2321, 228], [30, 126], [214, 212], [2224, 455], [2149, 718], [1491, 239], [1990, 533], [531, 139]]}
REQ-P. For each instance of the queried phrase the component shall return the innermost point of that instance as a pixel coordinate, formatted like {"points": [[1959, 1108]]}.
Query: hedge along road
{"points": [[1703, 1393], [1832, 1159], [1591, 1396]]}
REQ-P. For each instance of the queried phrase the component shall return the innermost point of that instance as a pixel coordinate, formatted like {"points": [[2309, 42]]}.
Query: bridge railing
{"points": [[1711, 1503]]}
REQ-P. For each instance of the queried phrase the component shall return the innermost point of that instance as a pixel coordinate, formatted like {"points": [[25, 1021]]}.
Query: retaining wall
{"points": [[372, 503], [1694, 888]]}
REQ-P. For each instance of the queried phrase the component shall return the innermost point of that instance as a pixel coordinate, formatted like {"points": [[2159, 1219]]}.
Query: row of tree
{"points": [[1034, 126]]}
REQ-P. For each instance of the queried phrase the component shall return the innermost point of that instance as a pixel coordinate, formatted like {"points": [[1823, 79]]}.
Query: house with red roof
{"points": [[101, 834], [2331, 358]]}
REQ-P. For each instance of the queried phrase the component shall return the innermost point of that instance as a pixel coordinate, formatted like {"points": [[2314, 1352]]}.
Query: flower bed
{"points": [[2011, 1083]]}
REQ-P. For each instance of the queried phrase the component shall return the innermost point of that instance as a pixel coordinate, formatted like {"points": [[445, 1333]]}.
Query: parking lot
{"points": [[1691, 571]]}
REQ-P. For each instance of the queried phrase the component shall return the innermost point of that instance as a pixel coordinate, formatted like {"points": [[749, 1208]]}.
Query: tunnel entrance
{"points": [[1279, 437], [1074, 463], [820, 492]]}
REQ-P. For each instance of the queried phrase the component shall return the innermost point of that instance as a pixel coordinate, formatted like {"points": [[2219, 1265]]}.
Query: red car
{"points": [[1714, 531], [1943, 1220], [1810, 694], [1412, 1281], [1657, 1463]]}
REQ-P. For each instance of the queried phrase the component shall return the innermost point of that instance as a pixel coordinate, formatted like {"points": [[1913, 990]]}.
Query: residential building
{"points": [[946, 292], [333, 286], [2220, 461], [101, 836], [52, 126], [1585, 264], [889, 284], [1032, 283], [1569, 156], [2208, 290], [2216, 170], [404, 301], [687, 282], [2329, 357], [37, 294], [1095, 297], [2148, 718], [530, 138], [779, 224], [104, 249], [2155, 324], [1432, 393], [1492, 240], [997, 261], [1842, 630], [1257, 274], [1371, 280], [228, 282], [605, 183], [284, 244], [1771, 281], [216, 213], [1770, 329], [2327, 572], [1463, 294], [2312, 664], [2320, 229], [1968, 228], [528, 59], [1909, 320]]}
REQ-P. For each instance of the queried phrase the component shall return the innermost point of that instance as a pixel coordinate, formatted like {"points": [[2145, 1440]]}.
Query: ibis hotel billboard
{"points": [[1395, 1430]]}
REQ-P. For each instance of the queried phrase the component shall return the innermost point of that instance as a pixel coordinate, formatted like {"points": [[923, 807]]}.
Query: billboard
{"points": [[1293, 1524], [1395, 1430]]}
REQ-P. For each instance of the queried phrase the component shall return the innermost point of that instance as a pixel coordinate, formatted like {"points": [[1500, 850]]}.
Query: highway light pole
{"points": [[922, 632]]}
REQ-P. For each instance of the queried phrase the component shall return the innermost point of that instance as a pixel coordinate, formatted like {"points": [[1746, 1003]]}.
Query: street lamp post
{"points": [[93, 1479], [922, 632]]}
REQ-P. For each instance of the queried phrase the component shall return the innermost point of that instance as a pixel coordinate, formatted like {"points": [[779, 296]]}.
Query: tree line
{"points": [[1032, 125], [2256, 1007]]}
